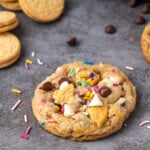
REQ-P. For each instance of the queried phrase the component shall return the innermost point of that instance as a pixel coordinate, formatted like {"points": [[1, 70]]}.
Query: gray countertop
{"points": [[85, 19]]}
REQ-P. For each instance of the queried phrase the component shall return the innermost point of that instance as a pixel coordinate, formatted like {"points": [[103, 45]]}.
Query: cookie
{"points": [[145, 43], [9, 49], [9, 27], [43, 11], [14, 6], [7, 18], [84, 101]]}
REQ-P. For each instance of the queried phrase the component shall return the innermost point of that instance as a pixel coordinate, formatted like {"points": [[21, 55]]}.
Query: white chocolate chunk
{"points": [[115, 79], [68, 110], [96, 101], [64, 84], [121, 100]]}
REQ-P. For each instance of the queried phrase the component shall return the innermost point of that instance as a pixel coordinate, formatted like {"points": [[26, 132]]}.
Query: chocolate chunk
{"points": [[47, 86], [72, 41], [123, 104], [140, 20], [132, 3], [105, 91], [146, 9], [110, 29]]}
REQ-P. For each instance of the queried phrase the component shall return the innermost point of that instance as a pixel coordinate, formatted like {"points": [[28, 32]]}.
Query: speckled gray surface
{"points": [[86, 20]]}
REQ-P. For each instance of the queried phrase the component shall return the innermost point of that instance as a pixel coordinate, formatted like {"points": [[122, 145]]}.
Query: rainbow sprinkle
{"points": [[29, 61], [17, 91], [43, 123], [88, 62]]}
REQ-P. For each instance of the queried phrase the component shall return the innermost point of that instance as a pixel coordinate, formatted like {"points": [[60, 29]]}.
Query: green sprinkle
{"points": [[79, 84], [125, 125], [43, 123], [84, 82]]}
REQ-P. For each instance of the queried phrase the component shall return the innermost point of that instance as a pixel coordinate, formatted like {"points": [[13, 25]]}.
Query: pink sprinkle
{"points": [[115, 84], [144, 122], [96, 89], [78, 93], [16, 105], [52, 121], [27, 66], [113, 70], [25, 118], [90, 89], [24, 136], [42, 101], [129, 68], [28, 130]]}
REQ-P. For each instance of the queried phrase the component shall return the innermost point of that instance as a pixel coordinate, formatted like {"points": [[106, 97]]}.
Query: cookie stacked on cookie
{"points": [[11, 5], [9, 44]]}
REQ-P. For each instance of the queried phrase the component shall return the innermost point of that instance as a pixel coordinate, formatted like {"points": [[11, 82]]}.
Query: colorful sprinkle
{"points": [[129, 68], [17, 91], [115, 84], [42, 101], [77, 70], [40, 62], [28, 129], [79, 83], [91, 75], [43, 123], [26, 65], [16, 105], [78, 93], [88, 63], [84, 82], [144, 122], [33, 54], [113, 70], [71, 72], [56, 107], [29, 61], [24, 136], [25, 118], [52, 121], [96, 89]]}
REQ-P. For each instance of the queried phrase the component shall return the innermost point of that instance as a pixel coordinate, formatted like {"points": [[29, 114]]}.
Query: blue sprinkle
{"points": [[88, 63], [43, 123]]}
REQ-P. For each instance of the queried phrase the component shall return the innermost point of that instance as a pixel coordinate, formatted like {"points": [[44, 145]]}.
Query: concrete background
{"points": [[85, 19]]}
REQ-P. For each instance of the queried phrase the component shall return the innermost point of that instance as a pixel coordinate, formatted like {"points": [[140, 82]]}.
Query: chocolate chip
{"points": [[140, 20], [110, 29], [47, 86], [123, 104], [105, 91], [146, 9], [132, 3], [72, 41]]}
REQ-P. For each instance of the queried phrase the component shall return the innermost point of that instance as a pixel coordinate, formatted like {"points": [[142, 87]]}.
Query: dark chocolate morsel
{"points": [[72, 41], [105, 91], [47, 86]]}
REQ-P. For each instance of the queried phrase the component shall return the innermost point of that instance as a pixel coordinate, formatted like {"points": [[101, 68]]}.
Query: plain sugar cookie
{"points": [[83, 101], [10, 48], [43, 10]]}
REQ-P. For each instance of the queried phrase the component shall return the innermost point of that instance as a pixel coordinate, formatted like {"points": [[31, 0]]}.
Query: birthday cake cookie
{"points": [[83, 101]]}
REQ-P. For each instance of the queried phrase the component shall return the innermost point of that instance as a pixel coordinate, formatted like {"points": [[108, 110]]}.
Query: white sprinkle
{"points": [[25, 118], [77, 70], [33, 54], [40, 62], [16, 105], [129, 68], [148, 127]]}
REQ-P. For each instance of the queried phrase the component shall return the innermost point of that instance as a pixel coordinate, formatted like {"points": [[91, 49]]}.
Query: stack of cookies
{"points": [[11, 5], [9, 44]]}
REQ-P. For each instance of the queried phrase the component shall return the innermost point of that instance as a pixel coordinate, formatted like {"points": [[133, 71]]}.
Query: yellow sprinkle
{"points": [[16, 91], [29, 61], [56, 92], [56, 107], [88, 81], [91, 95]]}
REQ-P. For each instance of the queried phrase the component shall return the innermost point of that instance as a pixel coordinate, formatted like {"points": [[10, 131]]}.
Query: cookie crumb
{"points": [[72, 41], [110, 29]]}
